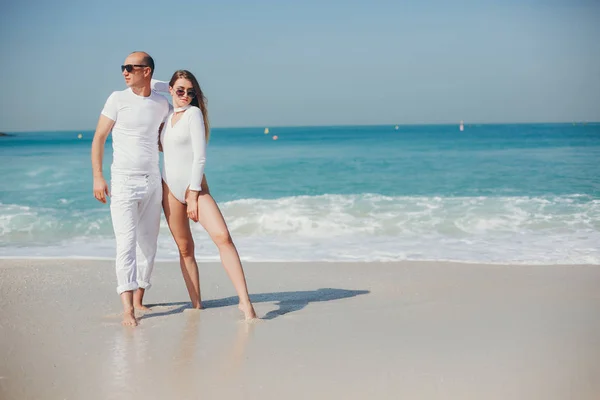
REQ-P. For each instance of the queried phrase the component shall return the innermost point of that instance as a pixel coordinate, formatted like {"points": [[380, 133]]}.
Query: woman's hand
{"points": [[191, 199]]}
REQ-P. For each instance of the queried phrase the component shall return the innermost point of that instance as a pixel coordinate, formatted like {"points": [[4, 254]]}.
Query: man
{"points": [[134, 116]]}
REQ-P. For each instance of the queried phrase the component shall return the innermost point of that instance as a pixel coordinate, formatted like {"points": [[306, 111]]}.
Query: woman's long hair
{"points": [[198, 101]]}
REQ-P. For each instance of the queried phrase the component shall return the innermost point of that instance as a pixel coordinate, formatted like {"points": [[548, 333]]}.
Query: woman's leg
{"points": [[179, 224], [212, 220]]}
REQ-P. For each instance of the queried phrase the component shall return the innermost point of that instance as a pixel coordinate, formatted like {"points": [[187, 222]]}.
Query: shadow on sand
{"points": [[286, 301]]}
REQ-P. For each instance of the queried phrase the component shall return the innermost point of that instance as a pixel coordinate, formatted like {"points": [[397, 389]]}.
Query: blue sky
{"points": [[273, 63]]}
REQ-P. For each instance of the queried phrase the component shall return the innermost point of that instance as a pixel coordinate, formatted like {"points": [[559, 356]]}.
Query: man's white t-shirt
{"points": [[135, 133]]}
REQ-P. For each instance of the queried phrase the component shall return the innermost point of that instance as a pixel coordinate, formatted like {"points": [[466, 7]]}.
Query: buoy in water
{"points": [[79, 136], [275, 137], [461, 126], [266, 131]]}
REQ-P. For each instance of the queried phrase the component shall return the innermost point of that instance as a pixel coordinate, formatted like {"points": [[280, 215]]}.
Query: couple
{"points": [[142, 121]]}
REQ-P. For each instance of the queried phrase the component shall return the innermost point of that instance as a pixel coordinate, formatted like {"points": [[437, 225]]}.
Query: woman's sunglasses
{"points": [[129, 67], [180, 92]]}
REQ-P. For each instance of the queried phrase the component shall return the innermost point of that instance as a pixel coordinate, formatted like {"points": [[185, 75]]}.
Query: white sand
{"points": [[332, 331]]}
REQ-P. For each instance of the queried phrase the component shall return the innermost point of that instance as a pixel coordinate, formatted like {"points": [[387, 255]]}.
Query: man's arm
{"points": [[103, 129], [160, 86]]}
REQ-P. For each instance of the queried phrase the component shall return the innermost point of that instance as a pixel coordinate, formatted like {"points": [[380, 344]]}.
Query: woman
{"points": [[185, 190]]}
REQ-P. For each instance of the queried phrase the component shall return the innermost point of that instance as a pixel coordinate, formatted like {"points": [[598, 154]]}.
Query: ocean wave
{"points": [[371, 214], [361, 227]]}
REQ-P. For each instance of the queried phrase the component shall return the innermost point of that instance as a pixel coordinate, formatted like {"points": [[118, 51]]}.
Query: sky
{"points": [[283, 63]]}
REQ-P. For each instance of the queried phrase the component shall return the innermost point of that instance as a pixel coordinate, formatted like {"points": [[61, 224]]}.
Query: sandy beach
{"points": [[415, 330]]}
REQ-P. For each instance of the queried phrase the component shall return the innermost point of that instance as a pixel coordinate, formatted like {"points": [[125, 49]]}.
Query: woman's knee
{"points": [[185, 247], [222, 238]]}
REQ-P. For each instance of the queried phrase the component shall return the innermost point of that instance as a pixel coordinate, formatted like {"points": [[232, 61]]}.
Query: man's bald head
{"points": [[145, 59]]}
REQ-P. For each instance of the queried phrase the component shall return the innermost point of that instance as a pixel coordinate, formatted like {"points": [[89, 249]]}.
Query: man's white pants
{"points": [[135, 208]]}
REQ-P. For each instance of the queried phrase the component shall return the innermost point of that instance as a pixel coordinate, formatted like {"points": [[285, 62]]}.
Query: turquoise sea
{"points": [[526, 193]]}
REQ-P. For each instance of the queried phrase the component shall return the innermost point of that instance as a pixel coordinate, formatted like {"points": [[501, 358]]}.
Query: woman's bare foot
{"points": [[141, 307], [129, 318], [248, 310], [198, 306]]}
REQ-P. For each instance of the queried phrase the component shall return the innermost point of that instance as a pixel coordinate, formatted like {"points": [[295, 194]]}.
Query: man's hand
{"points": [[100, 189], [104, 127]]}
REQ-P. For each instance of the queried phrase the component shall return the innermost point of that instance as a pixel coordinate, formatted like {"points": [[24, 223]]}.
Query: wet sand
{"points": [[419, 330]]}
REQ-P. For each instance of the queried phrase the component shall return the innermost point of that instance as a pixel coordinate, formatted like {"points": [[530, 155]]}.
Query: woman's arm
{"points": [[198, 136]]}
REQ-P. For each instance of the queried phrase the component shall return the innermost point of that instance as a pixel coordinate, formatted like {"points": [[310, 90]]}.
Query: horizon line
{"points": [[347, 125]]}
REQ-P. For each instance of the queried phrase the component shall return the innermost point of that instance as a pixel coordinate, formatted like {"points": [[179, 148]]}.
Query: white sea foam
{"points": [[369, 227]]}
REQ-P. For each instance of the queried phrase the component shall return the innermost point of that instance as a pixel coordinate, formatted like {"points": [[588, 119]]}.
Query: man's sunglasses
{"points": [[180, 92], [129, 67]]}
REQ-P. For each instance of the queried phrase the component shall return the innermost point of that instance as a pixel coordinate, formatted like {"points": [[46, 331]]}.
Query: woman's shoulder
{"points": [[194, 112]]}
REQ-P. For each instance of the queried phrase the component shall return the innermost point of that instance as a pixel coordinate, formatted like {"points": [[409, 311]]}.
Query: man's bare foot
{"points": [[198, 306], [138, 300], [248, 310], [129, 318]]}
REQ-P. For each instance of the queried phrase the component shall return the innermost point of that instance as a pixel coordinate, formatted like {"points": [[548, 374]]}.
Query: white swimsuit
{"points": [[184, 152]]}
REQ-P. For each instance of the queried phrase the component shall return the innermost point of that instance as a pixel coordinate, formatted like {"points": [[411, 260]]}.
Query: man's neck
{"points": [[144, 90]]}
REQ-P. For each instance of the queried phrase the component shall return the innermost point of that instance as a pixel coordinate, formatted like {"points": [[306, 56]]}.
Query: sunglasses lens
{"points": [[127, 67], [180, 92]]}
